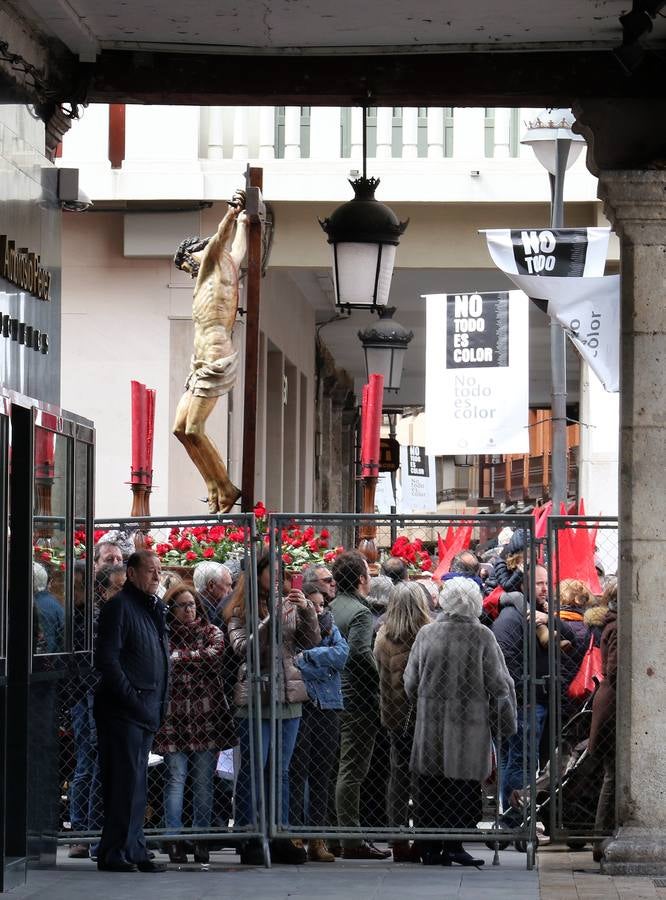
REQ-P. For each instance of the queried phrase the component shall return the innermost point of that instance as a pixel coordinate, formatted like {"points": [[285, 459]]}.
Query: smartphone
{"points": [[296, 582]]}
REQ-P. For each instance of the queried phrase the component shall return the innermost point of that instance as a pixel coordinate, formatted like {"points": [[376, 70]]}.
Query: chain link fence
{"points": [[417, 722], [576, 799], [201, 783], [402, 718]]}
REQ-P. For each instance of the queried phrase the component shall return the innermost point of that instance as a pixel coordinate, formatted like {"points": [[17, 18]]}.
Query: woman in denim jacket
{"points": [[316, 755]]}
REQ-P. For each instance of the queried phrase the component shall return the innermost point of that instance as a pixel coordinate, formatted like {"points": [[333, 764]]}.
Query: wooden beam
{"points": [[479, 78], [255, 179]]}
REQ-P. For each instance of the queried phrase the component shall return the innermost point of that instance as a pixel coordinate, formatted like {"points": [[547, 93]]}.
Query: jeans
{"points": [[513, 773], [358, 730], [85, 790], [246, 796], [202, 767], [313, 765]]}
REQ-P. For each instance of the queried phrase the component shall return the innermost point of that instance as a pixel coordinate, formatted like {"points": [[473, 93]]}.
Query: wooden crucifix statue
{"points": [[215, 263]]}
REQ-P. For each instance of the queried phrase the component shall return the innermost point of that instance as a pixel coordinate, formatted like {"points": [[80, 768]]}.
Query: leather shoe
{"points": [[462, 858], [120, 866], [147, 865], [365, 851], [201, 852]]}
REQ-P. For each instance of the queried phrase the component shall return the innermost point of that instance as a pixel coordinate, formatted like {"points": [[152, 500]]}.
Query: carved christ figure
{"points": [[214, 262]]}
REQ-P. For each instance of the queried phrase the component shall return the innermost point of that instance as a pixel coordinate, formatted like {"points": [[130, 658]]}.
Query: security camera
{"points": [[62, 185]]}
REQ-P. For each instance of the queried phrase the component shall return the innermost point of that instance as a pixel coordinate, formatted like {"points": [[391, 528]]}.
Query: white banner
{"points": [[477, 373], [384, 496], [557, 252], [418, 481], [589, 309], [564, 267]]}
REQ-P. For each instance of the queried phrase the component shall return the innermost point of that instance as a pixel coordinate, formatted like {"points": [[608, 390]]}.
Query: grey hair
{"points": [[40, 577], [310, 577], [461, 597], [204, 572], [380, 590], [407, 612]]}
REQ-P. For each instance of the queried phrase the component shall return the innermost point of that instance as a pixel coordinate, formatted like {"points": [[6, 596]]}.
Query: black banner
{"points": [[477, 327], [550, 251]]}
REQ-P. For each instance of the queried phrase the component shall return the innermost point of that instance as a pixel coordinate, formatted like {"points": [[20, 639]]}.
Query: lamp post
{"points": [[557, 148], [384, 345], [363, 234]]}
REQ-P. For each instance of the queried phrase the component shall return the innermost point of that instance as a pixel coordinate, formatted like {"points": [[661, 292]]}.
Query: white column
{"points": [[325, 132], [468, 133], [384, 131], [410, 132], [292, 132], [240, 150], [356, 133], [267, 132], [215, 133], [634, 204], [502, 133], [435, 132]]}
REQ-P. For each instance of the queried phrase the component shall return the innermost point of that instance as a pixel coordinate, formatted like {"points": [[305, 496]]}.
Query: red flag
{"points": [[455, 547], [575, 558], [441, 547]]}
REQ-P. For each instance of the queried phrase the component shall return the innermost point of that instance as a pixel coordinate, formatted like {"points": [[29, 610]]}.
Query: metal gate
{"points": [[575, 794], [193, 794], [369, 772]]}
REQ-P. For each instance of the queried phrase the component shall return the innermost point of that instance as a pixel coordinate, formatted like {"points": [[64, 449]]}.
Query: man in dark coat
{"points": [[359, 722], [510, 629], [132, 656]]}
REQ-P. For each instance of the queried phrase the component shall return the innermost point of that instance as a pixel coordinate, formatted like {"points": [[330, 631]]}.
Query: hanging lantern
{"points": [[384, 344]]}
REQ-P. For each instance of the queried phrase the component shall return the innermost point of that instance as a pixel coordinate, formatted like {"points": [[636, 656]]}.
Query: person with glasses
{"points": [[319, 578], [198, 722]]}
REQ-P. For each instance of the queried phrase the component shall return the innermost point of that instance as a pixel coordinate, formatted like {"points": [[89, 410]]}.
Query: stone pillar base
{"points": [[636, 851]]}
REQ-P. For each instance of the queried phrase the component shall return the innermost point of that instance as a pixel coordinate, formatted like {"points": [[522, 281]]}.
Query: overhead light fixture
{"points": [[463, 462], [543, 134], [384, 345], [363, 234]]}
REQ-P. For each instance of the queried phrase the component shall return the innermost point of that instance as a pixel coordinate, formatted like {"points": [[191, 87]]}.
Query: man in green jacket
{"points": [[360, 688]]}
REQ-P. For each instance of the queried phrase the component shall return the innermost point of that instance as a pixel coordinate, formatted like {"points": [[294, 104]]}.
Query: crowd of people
{"points": [[397, 700]]}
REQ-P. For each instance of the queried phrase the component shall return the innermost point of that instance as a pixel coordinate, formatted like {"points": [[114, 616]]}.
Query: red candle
{"points": [[364, 423], [139, 430], [150, 424], [44, 452], [374, 405]]}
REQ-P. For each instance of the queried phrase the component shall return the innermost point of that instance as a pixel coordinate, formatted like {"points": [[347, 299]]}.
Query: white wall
{"points": [[130, 318]]}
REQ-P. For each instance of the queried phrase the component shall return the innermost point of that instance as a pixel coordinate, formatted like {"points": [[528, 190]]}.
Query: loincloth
{"points": [[212, 379]]}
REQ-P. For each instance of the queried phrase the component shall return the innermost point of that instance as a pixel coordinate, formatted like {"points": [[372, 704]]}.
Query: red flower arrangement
{"points": [[55, 556], [306, 547], [413, 553]]}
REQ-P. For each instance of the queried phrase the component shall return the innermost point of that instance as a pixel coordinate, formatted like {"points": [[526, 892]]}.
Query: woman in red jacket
{"points": [[198, 723]]}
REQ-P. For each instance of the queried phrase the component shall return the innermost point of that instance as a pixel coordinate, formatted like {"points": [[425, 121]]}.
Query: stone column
{"points": [[635, 202]]}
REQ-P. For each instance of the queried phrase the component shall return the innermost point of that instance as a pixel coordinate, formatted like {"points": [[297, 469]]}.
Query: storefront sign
{"points": [[21, 267], [477, 365]]}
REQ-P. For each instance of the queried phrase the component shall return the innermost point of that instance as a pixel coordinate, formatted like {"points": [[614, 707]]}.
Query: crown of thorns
{"points": [[185, 251]]}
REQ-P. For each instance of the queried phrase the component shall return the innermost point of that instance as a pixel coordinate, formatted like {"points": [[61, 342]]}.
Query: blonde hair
{"points": [[407, 612], [575, 593]]}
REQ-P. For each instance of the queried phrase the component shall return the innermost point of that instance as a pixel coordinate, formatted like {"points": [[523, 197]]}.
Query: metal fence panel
{"points": [[197, 788], [575, 800], [391, 765]]}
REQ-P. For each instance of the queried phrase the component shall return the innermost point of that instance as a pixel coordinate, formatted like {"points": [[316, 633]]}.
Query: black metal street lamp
{"points": [[384, 345], [363, 234]]}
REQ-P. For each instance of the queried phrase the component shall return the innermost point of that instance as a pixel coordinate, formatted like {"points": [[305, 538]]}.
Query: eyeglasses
{"points": [[186, 605], [328, 580]]}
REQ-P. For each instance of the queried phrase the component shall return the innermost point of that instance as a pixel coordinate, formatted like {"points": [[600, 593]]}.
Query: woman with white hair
{"points": [[458, 680]]}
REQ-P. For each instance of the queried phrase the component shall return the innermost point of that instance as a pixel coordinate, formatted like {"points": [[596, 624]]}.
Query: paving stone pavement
{"points": [[562, 875], [342, 880]]}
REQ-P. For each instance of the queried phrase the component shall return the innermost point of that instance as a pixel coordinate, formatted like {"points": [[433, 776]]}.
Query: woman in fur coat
{"points": [[464, 695]]}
